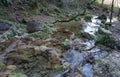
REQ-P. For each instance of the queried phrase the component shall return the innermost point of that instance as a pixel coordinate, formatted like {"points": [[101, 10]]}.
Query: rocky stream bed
{"points": [[73, 49]]}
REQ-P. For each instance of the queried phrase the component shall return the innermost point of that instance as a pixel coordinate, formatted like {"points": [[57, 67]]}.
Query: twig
{"points": [[68, 20]]}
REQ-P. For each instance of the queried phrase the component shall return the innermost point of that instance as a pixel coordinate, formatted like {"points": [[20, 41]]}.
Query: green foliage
{"points": [[98, 61], [61, 67], [103, 39], [107, 26], [34, 5], [5, 2], [1, 11], [47, 28], [103, 21], [16, 30], [41, 35], [17, 75], [106, 40], [87, 17], [66, 42]]}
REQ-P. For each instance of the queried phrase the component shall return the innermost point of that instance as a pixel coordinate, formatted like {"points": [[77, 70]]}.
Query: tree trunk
{"points": [[102, 2], [119, 14], [111, 15]]}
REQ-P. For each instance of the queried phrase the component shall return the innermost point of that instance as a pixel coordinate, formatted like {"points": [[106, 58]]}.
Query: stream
{"points": [[83, 57]]}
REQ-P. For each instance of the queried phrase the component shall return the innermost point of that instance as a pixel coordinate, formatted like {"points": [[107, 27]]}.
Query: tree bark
{"points": [[111, 15], [119, 14], [102, 2]]}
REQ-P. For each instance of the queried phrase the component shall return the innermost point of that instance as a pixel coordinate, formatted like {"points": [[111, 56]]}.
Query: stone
{"points": [[108, 66], [104, 31], [34, 26], [79, 75], [102, 17], [75, 58], [87, 70], [4, 27], [11, 67], [90, 59], [83, 44], [87, 35]]}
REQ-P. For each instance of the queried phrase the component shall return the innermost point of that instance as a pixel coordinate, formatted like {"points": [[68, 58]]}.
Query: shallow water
{"points": [[75, 58], [92, 27]]}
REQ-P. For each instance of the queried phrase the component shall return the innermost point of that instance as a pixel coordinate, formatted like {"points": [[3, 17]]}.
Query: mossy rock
{"points": [[88, 17]]}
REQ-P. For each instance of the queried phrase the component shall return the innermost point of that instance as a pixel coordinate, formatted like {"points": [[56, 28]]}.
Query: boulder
{"points": [[4, 26], [102, 17], [34, 26]]}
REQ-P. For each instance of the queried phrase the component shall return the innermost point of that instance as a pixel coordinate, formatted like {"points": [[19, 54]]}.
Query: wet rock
{"points": [[34, 26], [59, 75], [102, 70], [104, 31], [83, 44], [86, 35], [98, 53], [102, 17], [87, 70], [108, 66], [90, 59], [4, 26], [79, 75], [116, 33], [75, 58]]}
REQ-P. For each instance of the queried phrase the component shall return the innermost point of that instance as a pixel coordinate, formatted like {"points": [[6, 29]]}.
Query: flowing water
{"points": [[78, 58]]}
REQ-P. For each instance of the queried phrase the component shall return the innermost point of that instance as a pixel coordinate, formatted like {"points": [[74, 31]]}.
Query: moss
{"points": [[102, 39], [66, 42], [5, 2], [17, 75], [2, 64], [98, 62], [61, 67], [25, 58], [106, 40], [88, 17], [17, 29]]}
